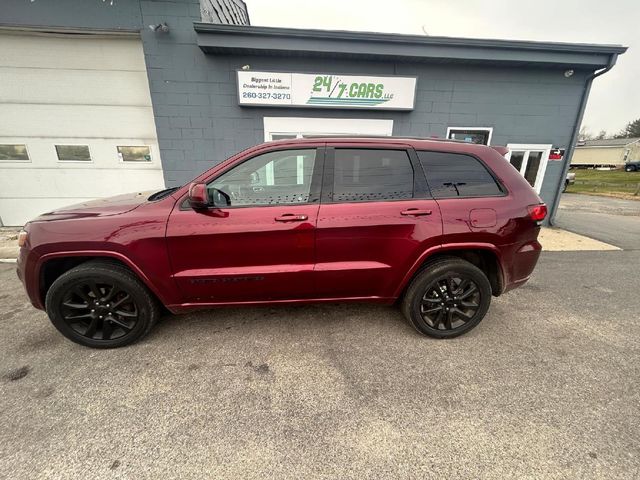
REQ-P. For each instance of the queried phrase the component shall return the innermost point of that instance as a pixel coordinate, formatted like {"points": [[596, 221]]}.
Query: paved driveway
{"points": [[607, 219], [548, 386]]}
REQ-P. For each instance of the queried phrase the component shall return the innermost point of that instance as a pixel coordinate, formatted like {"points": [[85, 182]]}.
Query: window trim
{"points": [[134, 162], [501, 186], [55, 145], [486, 129], [326, 126], [26, 147], [545, 148], [420, 187], [314, 189]]}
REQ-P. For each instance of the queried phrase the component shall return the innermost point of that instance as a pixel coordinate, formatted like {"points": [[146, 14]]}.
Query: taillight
{"points": [[537, 212]]}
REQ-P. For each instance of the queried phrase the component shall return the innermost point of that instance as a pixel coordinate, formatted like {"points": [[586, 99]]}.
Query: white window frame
{"points": [[340, 127], [300, 126], [26, 147], [484, 129], [74, 145], [532, 147], [124, 162]]}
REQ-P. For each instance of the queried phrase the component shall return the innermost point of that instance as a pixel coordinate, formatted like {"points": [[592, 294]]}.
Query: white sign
{"points": [[320, 90]]}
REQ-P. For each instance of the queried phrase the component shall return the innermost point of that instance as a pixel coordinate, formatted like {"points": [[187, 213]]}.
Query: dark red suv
{"points": [[438, 225]]}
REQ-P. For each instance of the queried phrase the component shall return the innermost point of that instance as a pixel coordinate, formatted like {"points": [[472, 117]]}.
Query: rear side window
{"points": [[453, 175], [371, 175]]}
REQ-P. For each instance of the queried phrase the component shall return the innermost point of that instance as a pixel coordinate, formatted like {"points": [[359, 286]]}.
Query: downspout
{"points": [[576, 131]]}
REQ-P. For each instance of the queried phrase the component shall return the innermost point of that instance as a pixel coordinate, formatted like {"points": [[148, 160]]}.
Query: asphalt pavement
{"points": [[547, 386], [611, 220]]}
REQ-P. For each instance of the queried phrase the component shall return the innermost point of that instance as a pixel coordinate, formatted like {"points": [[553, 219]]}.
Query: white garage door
{"points": [[71, 108]]}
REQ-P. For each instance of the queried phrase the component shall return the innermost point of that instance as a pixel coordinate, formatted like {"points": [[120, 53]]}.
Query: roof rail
{"points": [[397, 137]]}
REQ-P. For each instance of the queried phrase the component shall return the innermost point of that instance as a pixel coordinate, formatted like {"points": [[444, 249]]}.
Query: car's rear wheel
{"points": [[630, 168], [101, 305], [449, 297]]}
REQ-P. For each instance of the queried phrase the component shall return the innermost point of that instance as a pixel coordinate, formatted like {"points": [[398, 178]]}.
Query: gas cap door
{"points": [[482, 218]]}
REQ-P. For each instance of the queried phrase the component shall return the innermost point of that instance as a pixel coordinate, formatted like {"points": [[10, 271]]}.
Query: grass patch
{"points": [[604, 182]]}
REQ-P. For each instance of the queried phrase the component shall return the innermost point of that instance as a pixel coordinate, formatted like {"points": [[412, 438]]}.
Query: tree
{"points": [[601, 135], [632, 130], [584, 134]]}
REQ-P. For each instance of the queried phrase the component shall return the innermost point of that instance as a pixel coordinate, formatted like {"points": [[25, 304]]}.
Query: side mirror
{"points": [[199, 196]]}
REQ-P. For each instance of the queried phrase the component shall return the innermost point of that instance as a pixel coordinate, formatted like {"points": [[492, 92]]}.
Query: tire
{"points": [[101, 304], [423, 296], [630, 169], [566, 185]]}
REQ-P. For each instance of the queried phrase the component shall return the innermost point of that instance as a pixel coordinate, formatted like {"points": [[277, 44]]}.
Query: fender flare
{"points": [[100, 254], [439, 249]]}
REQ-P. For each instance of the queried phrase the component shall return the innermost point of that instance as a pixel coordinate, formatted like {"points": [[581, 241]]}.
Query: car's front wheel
{"points": [[101, 304], [449, 297], [630, 168]]}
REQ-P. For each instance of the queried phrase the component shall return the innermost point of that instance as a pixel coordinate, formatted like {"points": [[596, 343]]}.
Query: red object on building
{"points": [[556, 154]]}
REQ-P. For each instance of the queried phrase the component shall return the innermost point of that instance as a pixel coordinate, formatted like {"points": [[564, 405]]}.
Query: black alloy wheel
{"points": [[447, 298], [101, 304], [99, 310], [450, 302]]}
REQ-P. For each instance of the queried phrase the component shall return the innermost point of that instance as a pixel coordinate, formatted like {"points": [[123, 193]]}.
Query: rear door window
{"points": [[453, 175], [362, 175]]}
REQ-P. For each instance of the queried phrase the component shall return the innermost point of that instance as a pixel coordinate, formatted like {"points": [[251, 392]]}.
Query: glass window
{"points": [[73, 153], [274, 178], [370, 175], [134, 154], [454, 175], [533, 165], [13, 152], [516, 159], [479, 136]]}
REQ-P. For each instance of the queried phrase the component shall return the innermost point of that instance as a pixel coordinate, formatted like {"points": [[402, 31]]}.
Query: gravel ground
{"points": [[9, 242], [545, 387]]}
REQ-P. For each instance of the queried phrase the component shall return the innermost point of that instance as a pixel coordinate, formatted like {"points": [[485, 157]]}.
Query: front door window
{"points": [[274, 178]]}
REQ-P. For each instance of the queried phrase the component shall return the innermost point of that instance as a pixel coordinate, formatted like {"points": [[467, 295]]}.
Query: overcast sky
{"points": [[615, 96]]}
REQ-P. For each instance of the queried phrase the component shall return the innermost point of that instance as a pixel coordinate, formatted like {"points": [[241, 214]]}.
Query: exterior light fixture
{"points": [[161, 27], [568, 73], [246, 67]]}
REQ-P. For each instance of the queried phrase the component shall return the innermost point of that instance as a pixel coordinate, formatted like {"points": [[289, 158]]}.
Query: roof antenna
{"points": [[424, 29]]}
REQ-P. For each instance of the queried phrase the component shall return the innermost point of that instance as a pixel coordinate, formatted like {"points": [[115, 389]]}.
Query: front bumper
{"points": [[27, 274]]}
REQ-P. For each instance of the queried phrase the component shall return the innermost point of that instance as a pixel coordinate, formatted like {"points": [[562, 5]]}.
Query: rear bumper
{"points": [[520, 264]]}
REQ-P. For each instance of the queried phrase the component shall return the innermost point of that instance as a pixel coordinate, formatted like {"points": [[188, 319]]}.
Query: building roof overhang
{"points": [[287, 42]]}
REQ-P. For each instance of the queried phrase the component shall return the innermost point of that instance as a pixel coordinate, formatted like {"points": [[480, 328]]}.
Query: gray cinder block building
{"points": [[99, 98]]}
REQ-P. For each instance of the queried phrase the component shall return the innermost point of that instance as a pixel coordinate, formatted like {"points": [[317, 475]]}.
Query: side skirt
{"points": [[190, 307]]}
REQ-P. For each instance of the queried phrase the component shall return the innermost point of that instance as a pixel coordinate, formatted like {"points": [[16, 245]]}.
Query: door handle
{"points": [[290, 217], [415, 212]]}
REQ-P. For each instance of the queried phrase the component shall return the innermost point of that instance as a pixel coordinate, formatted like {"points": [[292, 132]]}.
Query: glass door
{"points": [[530, 160]]}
